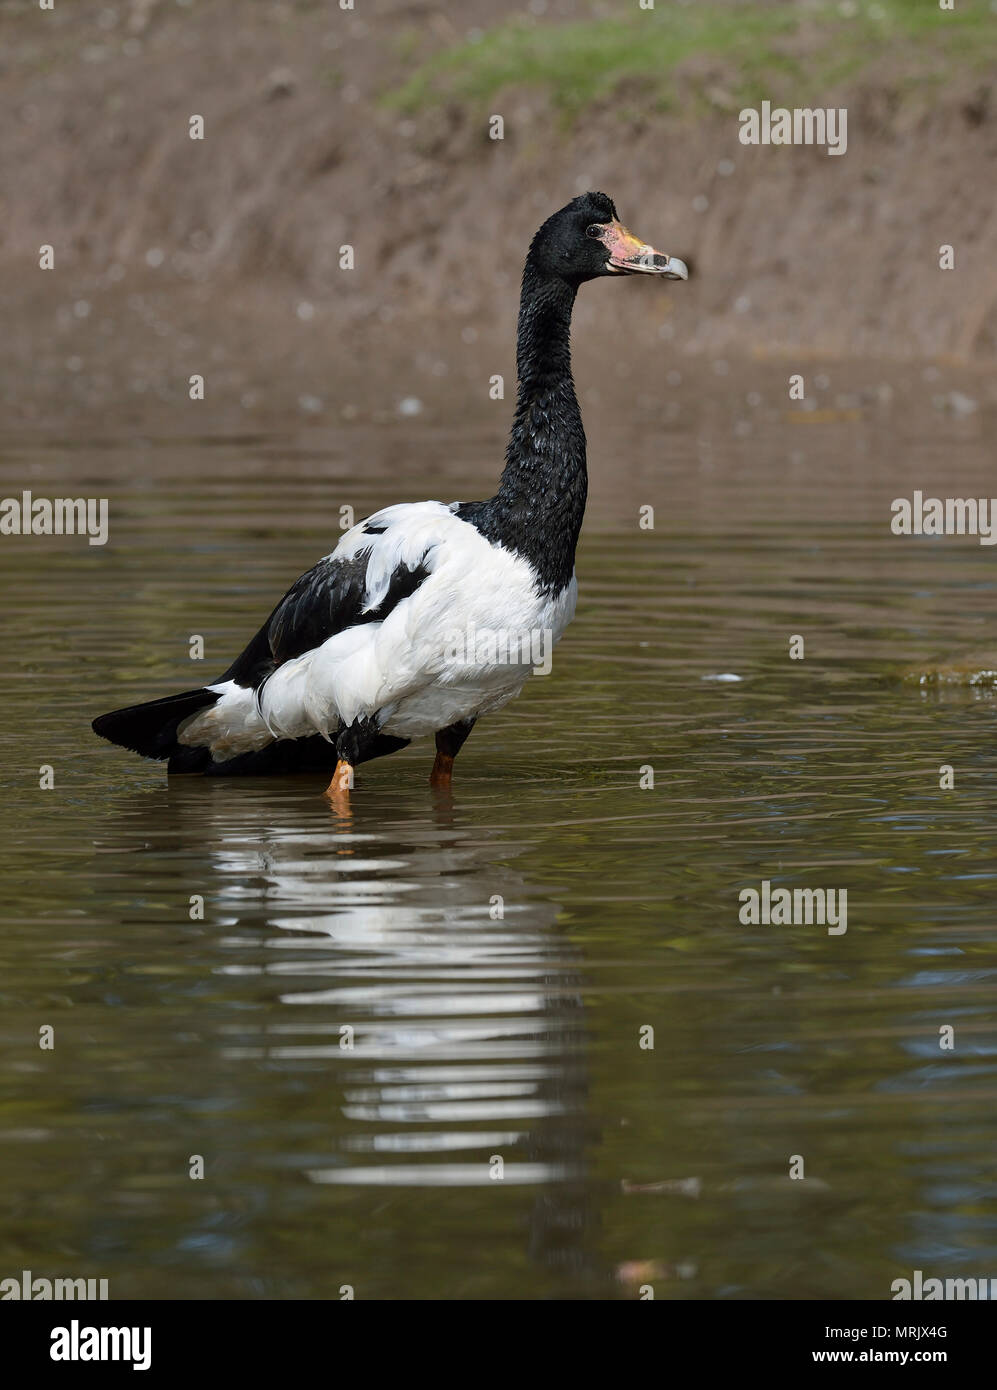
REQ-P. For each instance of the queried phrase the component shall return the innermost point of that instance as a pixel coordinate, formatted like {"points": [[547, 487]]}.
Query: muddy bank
{"points": [[222, 256]]}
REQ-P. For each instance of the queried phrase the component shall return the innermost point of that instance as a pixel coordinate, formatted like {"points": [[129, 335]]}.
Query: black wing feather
{"points": [[326, 600]]}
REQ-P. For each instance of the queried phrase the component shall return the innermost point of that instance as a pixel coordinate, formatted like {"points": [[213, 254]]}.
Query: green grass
{"points": [[773, 51]]}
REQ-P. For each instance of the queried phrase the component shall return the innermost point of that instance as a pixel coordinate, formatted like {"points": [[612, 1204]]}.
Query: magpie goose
{"points": [[426, 615]]}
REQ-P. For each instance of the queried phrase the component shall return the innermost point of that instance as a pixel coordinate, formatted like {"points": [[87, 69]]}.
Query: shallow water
{"points": [[498, 952]]}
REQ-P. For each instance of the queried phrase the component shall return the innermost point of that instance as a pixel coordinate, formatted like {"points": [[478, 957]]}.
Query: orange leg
{"points": [[448, 744], [442, 773], [338, 790]]}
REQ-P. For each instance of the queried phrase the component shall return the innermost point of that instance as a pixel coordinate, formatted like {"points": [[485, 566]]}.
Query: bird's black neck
{"points": [[540, 503]]}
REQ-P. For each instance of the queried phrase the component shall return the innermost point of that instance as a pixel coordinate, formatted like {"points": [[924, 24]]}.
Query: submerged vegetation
{"points": [[770, 50]]}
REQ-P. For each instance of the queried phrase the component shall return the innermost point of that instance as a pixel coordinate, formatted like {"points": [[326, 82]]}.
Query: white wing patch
{"points": [[412, 534]]}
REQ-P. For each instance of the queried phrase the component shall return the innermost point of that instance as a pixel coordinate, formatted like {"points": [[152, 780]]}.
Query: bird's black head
{"points": [[586, 239]]}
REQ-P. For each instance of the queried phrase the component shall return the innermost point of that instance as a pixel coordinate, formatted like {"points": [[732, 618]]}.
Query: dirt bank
{"points": [[369, 128]]}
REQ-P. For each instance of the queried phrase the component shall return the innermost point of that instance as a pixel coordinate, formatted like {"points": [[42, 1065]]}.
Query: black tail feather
{"points": [[151, 728]]}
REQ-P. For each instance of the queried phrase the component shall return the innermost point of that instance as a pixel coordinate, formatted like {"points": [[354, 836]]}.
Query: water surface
{"points": [[498, 952]]}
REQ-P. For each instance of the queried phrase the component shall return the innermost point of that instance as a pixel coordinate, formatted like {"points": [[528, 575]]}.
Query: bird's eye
{"points": [[595, 230]]}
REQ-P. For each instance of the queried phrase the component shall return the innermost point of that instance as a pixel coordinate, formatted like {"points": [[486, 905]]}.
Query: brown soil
{"points": [[221, 256]]}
